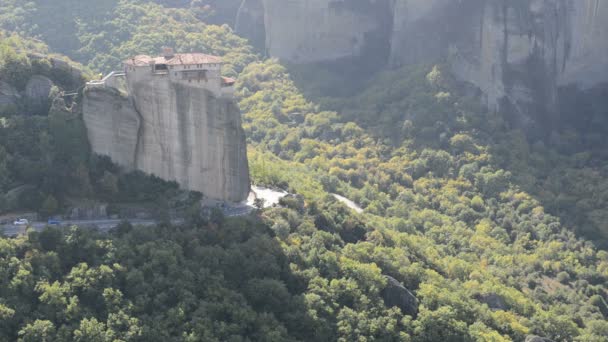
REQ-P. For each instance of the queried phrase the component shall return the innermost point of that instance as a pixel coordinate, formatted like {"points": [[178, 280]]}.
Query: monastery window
{"points": [[160, 67], [194, 75]]}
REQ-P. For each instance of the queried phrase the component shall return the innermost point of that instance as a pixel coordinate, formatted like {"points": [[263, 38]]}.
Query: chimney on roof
{"points": [[168, 53]]}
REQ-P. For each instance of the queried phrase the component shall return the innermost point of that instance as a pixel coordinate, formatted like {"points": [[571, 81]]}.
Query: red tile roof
{"points": [[228, 81], [177, 59]]}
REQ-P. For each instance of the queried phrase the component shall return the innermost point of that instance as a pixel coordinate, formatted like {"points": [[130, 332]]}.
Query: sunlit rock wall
{"points": [[112, 125], [178, 132], [307, 31]]}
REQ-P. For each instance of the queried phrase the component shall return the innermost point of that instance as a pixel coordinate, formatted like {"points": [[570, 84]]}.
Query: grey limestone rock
{"points": [[395, 294], [517, 52], [493, 300], [178, 131], [8, 94], [112, 125], [38, 89]]}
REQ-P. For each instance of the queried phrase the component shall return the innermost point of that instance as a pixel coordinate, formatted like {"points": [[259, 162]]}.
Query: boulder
{"points": [[74, 71], [494, 301], [8, 94], [395, 294], [38, 89]]}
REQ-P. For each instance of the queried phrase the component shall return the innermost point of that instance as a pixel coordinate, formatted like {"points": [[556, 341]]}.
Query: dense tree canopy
{"points": [[498, 236]]}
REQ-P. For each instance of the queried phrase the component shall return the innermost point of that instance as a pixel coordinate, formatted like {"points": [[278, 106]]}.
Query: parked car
{"points": [[21, 222], [54, 222]]}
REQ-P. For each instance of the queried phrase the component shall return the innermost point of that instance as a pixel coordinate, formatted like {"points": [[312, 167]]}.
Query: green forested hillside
{"points": [[498, 236], [101, 34]]}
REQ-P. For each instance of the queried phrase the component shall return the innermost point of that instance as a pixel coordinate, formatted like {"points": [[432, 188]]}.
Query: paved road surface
{"points": [[354, 206], [271, 197], [103, 225]]}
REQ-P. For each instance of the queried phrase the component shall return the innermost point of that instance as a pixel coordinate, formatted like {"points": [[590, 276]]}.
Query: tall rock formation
{"points": [[8, 95], [112, 124], [310, 31], [176, 119], [518, 52], [249, 23]]}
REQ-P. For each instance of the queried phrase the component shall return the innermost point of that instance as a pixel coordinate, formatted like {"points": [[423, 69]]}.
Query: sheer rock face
{"points": [[308, 31], [8, 94], [38, 89], [250, 22], [112, 125], [174, 131], [518, 52]]}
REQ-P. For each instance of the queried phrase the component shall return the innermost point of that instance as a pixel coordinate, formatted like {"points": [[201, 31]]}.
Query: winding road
{"points": [[271, 198], [103, 225]]}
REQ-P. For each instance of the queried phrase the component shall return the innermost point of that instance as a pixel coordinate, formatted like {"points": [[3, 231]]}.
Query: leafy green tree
{"points": [[109, 184], [91, 330], [50, 206], [38, 331], [440, 325]]}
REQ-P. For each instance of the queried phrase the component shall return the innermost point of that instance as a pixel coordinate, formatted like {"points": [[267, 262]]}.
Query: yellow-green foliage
{"points": [[441, 216], [450, 211]]}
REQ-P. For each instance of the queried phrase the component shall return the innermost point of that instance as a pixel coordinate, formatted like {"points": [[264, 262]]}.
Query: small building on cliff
{"points": [[191, 69], [173, 116]]}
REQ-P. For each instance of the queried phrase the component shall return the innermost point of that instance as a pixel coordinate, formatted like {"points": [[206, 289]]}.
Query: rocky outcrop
{"points": [[38, 89], [172, 130], [8, 95], [309, 31], [112, 125], [395, 294], [493, 300], [517, 52], [73, 71], [250, 23]]}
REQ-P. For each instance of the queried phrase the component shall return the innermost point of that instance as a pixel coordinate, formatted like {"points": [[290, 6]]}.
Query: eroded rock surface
{"points": [[493, 300], [517, 52], [172, 130], [38, 89], [309, 31], [8, 94], [112, 125], [395, 294], [250, 23]]}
